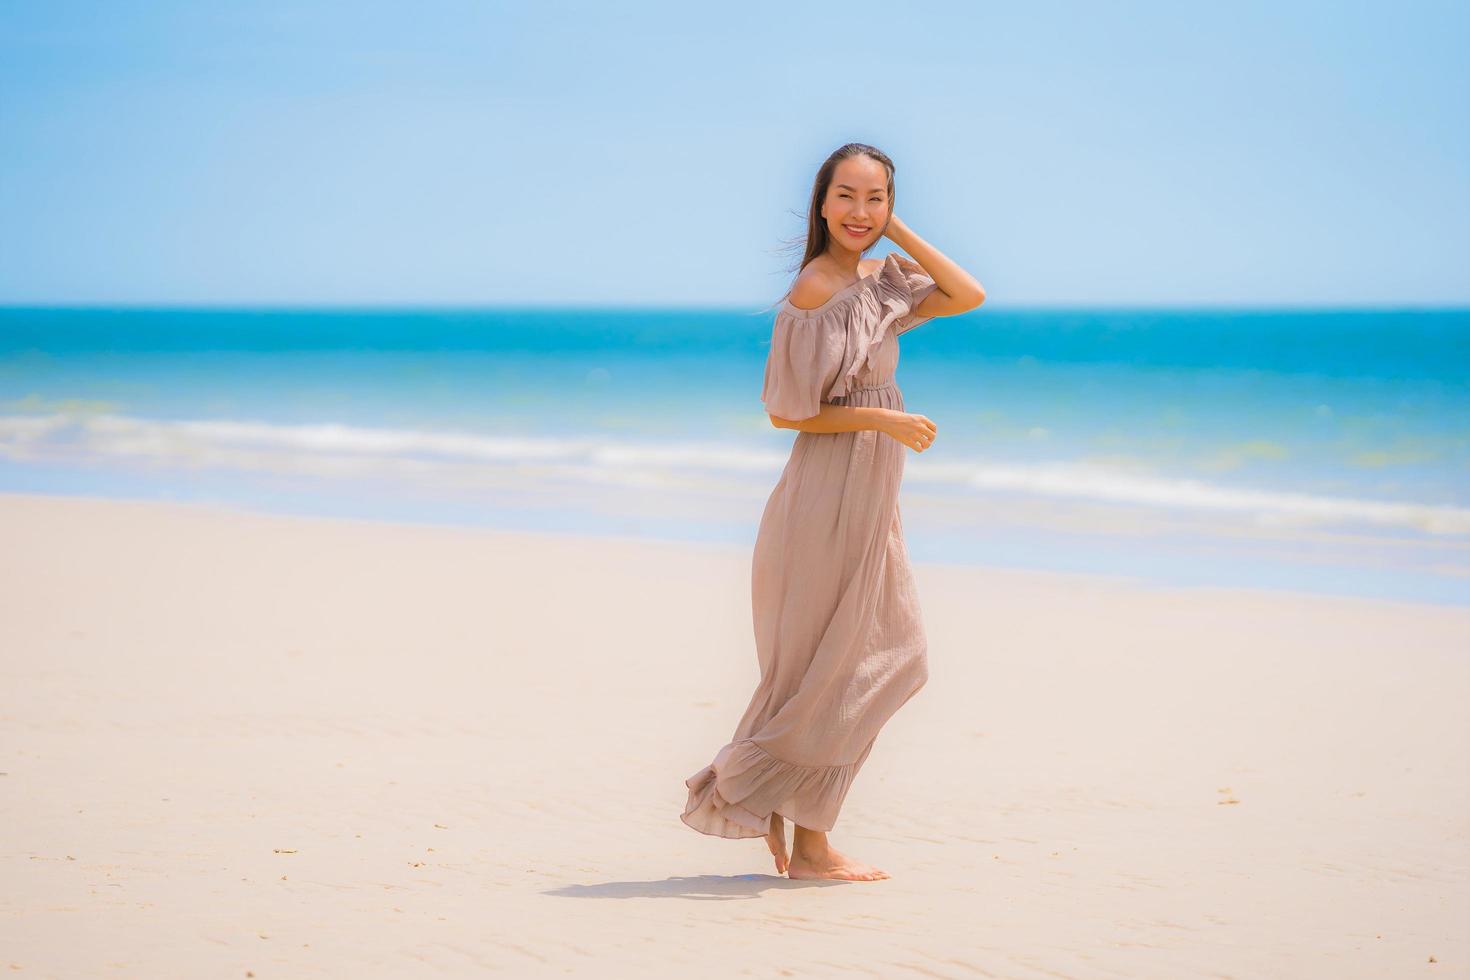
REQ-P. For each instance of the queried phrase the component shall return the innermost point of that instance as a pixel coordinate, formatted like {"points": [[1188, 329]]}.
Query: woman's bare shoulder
{"points": [[818, 283]]}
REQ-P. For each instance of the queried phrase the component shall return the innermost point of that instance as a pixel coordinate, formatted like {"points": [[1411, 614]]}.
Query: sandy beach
{"points": [[242, 745]]}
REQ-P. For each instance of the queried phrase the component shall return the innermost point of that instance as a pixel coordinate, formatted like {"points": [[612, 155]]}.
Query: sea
{"points": [[1323, 451]]}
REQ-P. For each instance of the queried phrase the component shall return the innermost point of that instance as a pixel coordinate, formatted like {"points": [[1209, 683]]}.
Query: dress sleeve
{"points": [[796, 368], [920, 285]]}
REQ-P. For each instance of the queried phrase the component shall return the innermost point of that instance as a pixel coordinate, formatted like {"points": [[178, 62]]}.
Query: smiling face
{"points": [[856, 208]]}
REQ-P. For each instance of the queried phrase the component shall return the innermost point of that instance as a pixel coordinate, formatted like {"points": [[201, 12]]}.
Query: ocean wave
{"points": [[477, 459]]}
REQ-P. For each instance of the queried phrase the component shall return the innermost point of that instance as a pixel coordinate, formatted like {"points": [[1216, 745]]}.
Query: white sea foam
{"points": [[476, 459]]}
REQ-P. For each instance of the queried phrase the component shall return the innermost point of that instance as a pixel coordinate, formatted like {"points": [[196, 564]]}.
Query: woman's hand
{"points": [[914, 431], [895, 230]]}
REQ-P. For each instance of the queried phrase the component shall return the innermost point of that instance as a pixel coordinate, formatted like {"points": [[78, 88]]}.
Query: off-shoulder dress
{"points": [[838, 633]]}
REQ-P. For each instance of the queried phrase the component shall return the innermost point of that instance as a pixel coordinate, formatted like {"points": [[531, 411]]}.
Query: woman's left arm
{"points": [[958, 291]]}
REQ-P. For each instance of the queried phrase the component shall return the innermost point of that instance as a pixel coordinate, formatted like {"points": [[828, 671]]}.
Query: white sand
{"points": [[241, 745]]}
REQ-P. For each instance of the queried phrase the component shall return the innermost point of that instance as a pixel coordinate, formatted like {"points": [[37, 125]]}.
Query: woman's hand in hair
{"points": [[895, 226]]}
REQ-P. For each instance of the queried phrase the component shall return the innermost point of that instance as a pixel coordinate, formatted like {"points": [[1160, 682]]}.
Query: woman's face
{"points": [[856, 208]]}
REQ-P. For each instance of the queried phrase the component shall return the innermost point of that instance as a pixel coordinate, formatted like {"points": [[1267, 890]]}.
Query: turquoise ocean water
{"points": [[1324, 451]]}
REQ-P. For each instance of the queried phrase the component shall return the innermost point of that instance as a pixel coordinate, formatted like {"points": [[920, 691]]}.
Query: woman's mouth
{"points": [[857, 231]]}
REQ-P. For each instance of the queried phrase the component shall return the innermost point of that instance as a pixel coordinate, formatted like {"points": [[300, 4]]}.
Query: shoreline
{"points": [[1118, 579]]}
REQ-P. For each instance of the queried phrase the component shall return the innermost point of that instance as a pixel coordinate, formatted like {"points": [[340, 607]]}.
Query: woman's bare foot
{"points": [[776, 841], [813, 857]]}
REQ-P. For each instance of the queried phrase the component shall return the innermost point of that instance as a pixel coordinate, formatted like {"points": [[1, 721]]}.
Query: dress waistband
{"points": [[877, 387]]}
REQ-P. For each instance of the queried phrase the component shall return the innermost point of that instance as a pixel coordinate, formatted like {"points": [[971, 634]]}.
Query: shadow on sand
{"points": [[703, 888]]}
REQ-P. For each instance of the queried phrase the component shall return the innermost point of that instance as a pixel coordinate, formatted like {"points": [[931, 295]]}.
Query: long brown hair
{"points": [[817, 236]]}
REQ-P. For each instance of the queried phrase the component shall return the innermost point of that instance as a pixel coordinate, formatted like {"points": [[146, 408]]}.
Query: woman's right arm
{"points": [[915, 431]]}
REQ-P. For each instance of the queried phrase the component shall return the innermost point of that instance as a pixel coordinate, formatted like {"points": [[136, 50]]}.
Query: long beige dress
{"points": [[838, 633]]}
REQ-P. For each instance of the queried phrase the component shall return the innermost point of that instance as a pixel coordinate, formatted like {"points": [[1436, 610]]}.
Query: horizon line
{"points": [[596, 307]]}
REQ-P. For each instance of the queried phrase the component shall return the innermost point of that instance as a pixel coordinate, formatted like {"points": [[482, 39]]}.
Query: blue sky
{"points": [[553, 153]]}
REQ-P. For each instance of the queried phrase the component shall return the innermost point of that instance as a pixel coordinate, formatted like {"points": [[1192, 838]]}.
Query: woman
{"points": [[838, 635]]}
